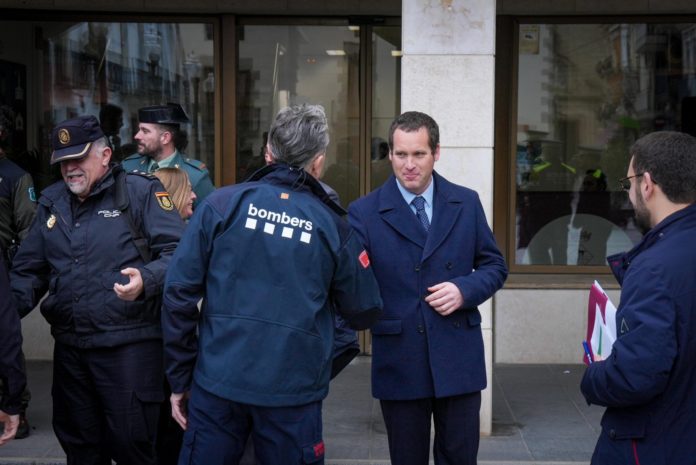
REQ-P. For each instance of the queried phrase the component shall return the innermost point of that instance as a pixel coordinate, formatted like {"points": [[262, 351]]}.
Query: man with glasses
{"points": [[647, 382]]}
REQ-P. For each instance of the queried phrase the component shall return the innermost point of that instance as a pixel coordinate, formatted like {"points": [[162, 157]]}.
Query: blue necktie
{"points": [[419, 203]]}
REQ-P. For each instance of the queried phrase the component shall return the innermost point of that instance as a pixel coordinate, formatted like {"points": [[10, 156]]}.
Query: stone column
{"points": [[448, 72]]}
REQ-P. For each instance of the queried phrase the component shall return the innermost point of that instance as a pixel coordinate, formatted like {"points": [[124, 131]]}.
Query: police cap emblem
{"points": [[64, 136]]}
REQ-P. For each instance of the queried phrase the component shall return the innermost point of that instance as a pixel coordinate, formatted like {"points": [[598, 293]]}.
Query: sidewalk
{"points": [[539, 417]]}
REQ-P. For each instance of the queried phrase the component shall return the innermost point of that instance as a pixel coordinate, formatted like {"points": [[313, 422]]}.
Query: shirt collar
{"points": [[165, 162], [409, 196]]}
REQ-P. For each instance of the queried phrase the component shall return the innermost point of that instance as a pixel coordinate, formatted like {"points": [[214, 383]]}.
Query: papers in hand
{"points": [[601, 324]]}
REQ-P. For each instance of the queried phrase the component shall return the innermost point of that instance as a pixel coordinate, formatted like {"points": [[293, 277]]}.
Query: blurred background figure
{"points": [[111, 122], [17, 210]]}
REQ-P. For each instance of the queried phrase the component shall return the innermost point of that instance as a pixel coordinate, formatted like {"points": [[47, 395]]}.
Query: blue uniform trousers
{"points": [[106, 402], [456, 421], [218, 430]]}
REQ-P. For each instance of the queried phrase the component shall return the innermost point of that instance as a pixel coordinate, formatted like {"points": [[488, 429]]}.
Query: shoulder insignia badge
{"points": [[51, 221], [164, 201]]}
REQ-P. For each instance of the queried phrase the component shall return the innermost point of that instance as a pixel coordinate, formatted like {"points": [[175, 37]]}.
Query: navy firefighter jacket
{"points": [[269, 256], [76, 251]]}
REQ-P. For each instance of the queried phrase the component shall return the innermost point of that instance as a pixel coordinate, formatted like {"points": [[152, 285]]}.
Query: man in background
{"points": [[17, 210], [647, 382], [156, 139], [11, 361]]}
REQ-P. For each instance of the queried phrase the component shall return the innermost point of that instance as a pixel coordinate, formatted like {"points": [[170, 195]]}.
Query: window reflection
{"points": [[108, 70], [585, 94], [386, 98], [287, 65]]}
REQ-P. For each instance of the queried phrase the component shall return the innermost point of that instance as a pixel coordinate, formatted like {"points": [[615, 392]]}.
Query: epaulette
{"points": [[142, 173], [199, 165]]}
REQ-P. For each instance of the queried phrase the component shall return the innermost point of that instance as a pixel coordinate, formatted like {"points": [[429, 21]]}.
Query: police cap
{"points": [[171, 113], [72, 138]]}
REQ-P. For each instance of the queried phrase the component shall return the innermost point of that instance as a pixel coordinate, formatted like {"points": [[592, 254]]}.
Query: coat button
{"points": [[421, 329], [417, 268], [449, 265], [76, 299], [77, 225], [612, 433], [456, 324]]}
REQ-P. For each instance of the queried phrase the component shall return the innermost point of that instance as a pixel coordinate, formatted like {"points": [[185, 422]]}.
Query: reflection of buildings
{"points": [[600, 86], [130, 65]]}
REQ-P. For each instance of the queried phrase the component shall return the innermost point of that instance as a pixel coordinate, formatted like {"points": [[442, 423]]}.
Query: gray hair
{"points": [[100, 144], [298, 134]]}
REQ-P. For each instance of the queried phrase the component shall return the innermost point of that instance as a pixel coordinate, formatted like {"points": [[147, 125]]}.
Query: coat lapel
{"points": [[446, 211], [395, 211]]}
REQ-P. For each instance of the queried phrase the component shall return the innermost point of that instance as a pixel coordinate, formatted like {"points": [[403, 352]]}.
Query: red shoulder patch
{"points": [[364, 259], [319, 449]]}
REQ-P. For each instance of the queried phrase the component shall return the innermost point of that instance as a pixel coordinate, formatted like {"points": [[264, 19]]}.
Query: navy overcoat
{"points": [[417, 353]]}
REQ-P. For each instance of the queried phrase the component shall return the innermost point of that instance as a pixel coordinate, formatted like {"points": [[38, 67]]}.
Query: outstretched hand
{"points": [[133, 289]]}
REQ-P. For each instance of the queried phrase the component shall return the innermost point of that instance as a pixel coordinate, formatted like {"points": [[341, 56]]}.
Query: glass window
{"points": [[386, 98], [58, 70], [586, 92], [288, 64]]}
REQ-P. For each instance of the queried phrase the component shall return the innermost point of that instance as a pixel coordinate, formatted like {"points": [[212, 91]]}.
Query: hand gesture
{"points": [[133, 289], [445, 298]]}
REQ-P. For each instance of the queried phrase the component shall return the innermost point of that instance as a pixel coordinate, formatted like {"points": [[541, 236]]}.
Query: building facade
{"points": [[538, 102]]}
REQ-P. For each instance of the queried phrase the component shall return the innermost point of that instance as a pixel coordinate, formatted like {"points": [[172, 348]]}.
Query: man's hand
{"points": [[445, 298], [179, 403], [133, 289], [11, 423]]}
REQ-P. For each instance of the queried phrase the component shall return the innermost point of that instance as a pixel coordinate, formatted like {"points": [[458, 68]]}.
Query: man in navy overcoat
{"points": [[435, 259]]}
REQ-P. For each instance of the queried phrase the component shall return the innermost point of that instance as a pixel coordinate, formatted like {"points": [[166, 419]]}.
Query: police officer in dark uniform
{"points": [[273, 257], [100, 245], [11, 363], [156, 140]]}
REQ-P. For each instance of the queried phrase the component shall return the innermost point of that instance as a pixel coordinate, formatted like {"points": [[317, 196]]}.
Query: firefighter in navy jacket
{"points": [[103, 298], [267, 255], [647, 383]]}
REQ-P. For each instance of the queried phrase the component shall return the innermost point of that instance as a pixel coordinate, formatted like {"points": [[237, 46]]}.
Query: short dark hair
{"points": [[412, 121], [670, 158]]}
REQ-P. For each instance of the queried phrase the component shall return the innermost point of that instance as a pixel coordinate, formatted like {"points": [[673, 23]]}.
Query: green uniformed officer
{"points": [[157, 132]]}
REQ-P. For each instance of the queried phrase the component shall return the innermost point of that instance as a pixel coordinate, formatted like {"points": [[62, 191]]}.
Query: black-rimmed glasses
{"points": [[625, 183]]}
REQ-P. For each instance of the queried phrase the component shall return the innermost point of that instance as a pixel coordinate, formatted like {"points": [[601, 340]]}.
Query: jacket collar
{"points": [[296, 179], [620, 262], [446, 209]]}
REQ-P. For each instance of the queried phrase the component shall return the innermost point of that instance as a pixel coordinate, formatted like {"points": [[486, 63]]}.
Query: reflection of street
{"points": [[620, 239]]}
